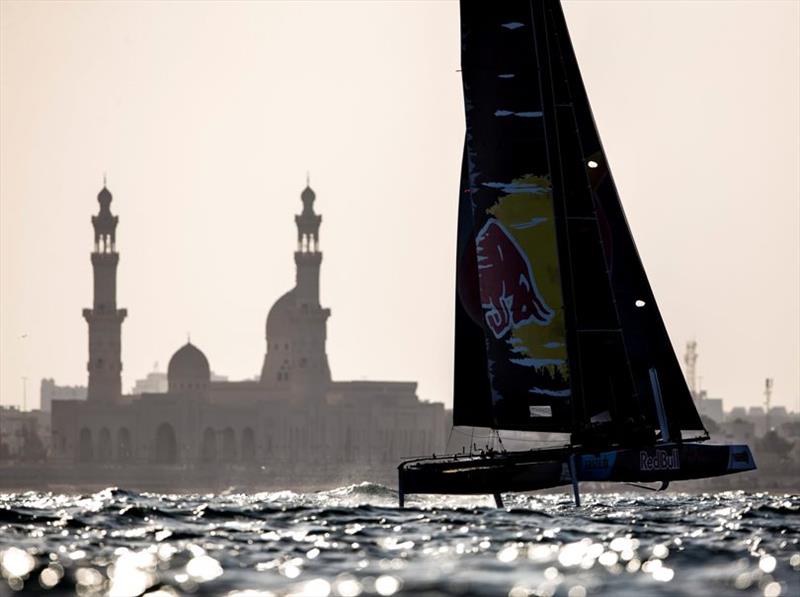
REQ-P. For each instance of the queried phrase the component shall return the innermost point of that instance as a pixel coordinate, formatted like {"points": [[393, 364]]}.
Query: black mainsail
{"points": [[557, 328], [552, 297]]}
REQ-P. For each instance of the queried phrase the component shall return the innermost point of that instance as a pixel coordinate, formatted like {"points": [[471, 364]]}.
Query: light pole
{"points": [[24, 352]]}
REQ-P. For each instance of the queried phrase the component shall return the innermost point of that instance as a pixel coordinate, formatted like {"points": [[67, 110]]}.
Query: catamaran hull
{"points": [[666, 462], [466, 478], [529, 471]]}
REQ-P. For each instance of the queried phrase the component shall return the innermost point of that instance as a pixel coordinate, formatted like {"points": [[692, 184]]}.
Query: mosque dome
{"points": [[188, 365], [279, 318]]}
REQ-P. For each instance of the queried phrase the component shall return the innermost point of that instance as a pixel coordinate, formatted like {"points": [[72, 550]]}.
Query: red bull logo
{"points": [[509, 295]]}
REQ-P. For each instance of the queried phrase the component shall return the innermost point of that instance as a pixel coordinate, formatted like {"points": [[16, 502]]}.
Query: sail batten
{"points": [[556, 324]]}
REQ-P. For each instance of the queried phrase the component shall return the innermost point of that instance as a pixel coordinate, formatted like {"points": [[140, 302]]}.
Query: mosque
{"points": [[295, 414]]}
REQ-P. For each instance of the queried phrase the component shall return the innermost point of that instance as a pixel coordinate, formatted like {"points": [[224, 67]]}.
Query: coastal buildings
{"points": [[294, 415], [24, 434], [49, 391], [155, 382], [708, 407]]}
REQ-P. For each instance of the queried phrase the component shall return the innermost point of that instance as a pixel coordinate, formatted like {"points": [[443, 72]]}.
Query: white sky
{"points": [[206, 117]]}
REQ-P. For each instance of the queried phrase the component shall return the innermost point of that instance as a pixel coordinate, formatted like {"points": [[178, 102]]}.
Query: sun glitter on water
{"points": [[354, 541]]}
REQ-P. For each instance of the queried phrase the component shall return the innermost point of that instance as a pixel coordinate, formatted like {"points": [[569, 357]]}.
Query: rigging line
{"points": [[500, 440], [449, 437]]}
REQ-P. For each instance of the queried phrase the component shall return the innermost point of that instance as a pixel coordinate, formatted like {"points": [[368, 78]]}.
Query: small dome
{"points": [[308, 195], [188, 364], [104, 196]]}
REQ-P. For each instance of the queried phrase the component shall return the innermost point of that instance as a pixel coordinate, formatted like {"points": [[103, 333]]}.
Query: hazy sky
{"points": [[206, 117]]}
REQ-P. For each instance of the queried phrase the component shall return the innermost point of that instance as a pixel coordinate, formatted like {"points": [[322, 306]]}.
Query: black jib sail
{"points": [[557, 328]]}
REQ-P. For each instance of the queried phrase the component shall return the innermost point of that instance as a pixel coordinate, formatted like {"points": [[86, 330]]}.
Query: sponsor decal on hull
{"points": [[594, 463], [597, 467], [660, 460]]}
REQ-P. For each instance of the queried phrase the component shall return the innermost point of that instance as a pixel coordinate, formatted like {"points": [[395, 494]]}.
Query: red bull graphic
{"points": [[509, 295], [522, 311]]}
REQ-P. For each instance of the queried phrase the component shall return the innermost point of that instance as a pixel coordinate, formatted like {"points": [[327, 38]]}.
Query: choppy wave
{"points": [[353, 540]]}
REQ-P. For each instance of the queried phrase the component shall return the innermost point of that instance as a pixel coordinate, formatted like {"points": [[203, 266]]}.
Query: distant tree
{"points": [[773, 443], [32, 446], [791, 429]]}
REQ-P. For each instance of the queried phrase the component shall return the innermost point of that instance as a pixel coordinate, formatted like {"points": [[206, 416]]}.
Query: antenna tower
{"points": [[690, 359], [767, 399]]}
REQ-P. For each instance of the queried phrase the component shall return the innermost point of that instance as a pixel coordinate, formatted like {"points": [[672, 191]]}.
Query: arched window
{"points": [[208, 451], [85, 449], [248, 445], [268, 442], [166, 444], [104, 453], [228, 445], [124, 448], [348, 445]]}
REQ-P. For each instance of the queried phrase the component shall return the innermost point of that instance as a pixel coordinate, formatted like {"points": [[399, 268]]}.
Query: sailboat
{"points": [[557, 329]]}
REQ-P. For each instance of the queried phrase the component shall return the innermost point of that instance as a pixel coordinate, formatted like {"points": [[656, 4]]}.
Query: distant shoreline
{"points": [[68, 478]]}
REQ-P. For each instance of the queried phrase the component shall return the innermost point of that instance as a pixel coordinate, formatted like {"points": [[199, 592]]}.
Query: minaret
{"points": [[297, 324], [308, 257], [104, 319]]}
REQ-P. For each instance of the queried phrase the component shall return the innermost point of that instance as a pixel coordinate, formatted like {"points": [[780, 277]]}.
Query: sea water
{"points": [[355, 541]]}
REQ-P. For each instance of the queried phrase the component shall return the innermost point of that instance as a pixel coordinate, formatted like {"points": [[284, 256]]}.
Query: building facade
{"points": [[710, 408], [49, 391], [24, 434], [154, 383], [294, 415]]}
